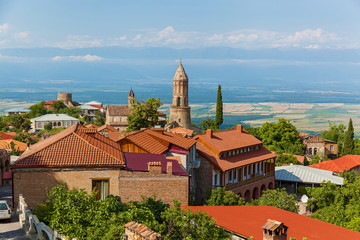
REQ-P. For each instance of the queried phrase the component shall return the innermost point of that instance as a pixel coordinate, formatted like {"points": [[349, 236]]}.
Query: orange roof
{"points": [[75, 146], [49, 102], [234, 161], [172, 138], [340, 164], [117, 136], [91, 126], [98, 106], [248, 221], [228, 140], [5, 144], [107, 127], [182, 131]]}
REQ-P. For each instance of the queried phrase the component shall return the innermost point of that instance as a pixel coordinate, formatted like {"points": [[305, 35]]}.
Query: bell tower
{"points": [[180, 110], [131, 97]]}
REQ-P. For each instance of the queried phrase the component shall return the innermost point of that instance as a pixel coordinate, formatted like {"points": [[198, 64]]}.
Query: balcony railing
{"points": [[231, 186]]}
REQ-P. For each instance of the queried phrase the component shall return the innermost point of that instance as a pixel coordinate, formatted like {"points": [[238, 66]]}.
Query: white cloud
{"points": [[4, 28], [166, 32], [86, 58], [317, 35], [122, 38], [75, 41], [215, 38], [137, 37], [21, 35]]}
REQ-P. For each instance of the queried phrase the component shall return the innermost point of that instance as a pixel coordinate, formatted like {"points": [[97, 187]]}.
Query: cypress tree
{"points": [[349, 144], [219, 108]]}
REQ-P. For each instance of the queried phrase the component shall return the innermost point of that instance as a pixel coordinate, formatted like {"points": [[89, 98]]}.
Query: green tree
{"points": [[25, 138], [277, 198], [221, 197], [48, 126], [37, 110], [349, 145], [286, 159], [281, 137], [14, 149], [180, 224], [144, 114], [20, 123], [57, 105], [3, 125], [71, 111], [208, 123], [336, 134], [99, 119], [315, 159], [219, 108], [253, 131]]}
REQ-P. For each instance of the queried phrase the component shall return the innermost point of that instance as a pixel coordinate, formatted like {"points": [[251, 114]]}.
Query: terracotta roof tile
{"points": [[4, 136], [147, 142], [108, 128], [228, 140], [236, 160], [5, 144], [73, 147], [118, 110], [248, 221], [173, 138], [340, 164], [91, 126], [182, 131], [49, 102]]}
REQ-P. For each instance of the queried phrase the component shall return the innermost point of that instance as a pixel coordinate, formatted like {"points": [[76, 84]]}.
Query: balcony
{"points": [[232, 186]]}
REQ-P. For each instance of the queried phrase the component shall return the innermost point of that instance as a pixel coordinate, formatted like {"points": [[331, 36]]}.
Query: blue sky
{"points": [[180, 24]]}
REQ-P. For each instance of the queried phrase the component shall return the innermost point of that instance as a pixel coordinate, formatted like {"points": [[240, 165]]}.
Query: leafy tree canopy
{"points": [[144, 114], [37, 110], [221, 197], [219, 108], [349, 145], [57, 105], [281, 137], [208, 123], [286, 159]]}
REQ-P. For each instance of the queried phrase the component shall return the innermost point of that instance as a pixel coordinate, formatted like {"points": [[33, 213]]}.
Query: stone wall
{"points": [[181, 115], [203, 179], [33, 183]]}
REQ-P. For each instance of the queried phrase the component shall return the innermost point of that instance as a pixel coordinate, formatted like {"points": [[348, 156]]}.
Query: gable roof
{"points": [[298, 173], [248, 221], [118, 110], [315, 139], [340, 164], [49, 102], [75, 146], [234, 161], [107, 127], [139, 162], [228, 140], [172, 138], [147, 142], [182, 131]]}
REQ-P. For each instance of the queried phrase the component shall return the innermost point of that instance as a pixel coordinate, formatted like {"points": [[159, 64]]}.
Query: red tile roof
{"points": [[228, 140], [173, 138], [118, 110], [248, 221], [91, 126], [98, 106], [75, 146], [234, 161], [340, 164], [147, 142], [5, 136], [49, 102], [139, 162], [182, 131], [108, 128]]}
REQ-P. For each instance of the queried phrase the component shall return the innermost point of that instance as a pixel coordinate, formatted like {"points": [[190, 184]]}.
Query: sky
{"points": [[69, 24]]}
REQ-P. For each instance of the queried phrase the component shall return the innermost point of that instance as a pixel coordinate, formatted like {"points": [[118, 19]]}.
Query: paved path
{"points": [[10, 230]]}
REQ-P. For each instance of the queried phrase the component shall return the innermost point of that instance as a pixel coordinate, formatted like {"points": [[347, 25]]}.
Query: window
{"points": [[215, 182], [102, 186], [257, 147], [235, 175], [68, 124], [331, 148], [248, 171], [225, 154], [248, 149], [237, 151], [244, 173], [261, 168], [256, 169], [233, 153], [253, 148], [226, 178], [229, 153], [230, 176], [39, 124], [244, 150], [241, 150]]}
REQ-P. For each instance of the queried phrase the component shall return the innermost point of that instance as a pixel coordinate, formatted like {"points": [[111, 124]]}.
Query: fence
{"points": [[35, 229]]}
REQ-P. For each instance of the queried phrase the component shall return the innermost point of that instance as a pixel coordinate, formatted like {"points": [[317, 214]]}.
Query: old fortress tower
{"points": [[180, 110]]}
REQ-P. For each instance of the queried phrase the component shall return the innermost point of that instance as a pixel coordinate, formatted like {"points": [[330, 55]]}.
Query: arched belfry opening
{"points": [[180, 111]]}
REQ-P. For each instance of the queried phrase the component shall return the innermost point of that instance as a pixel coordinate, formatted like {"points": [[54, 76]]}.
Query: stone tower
{"points": [[131, 97], [65, 97], [180, 110]]}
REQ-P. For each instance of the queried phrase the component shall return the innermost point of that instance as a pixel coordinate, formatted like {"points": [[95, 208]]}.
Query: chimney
{"points": [[169, 168], [239, 127], [209, 133], [154, 167], [274, 230]]}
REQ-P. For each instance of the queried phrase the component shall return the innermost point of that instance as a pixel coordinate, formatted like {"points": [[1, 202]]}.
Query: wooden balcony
{"points": [[232, 186]]}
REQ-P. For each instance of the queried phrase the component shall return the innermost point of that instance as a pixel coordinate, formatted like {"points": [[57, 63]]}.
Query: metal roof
{"points": [[17, 110], [299, 173], [55, 117], [88, 107]]}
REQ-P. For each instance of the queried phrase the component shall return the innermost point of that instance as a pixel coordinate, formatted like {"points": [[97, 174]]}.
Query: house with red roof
{"points": [[48, 106], [5, 136], [236, 160], [265, 222], [347, 162], [82, 158]]}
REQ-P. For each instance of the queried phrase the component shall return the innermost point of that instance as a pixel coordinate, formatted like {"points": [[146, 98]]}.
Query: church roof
{"points": [[118, 110], [180, 73], [131, 93]]}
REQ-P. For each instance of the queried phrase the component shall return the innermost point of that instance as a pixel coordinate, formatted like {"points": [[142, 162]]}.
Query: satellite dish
{"points": [[304, 198]]}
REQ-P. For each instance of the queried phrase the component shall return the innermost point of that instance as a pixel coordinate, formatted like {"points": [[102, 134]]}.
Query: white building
{"points": [[57, 120]]}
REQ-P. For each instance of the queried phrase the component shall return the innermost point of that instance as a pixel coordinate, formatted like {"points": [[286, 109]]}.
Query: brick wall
{"points": [[203, 179], [32, 183]]}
